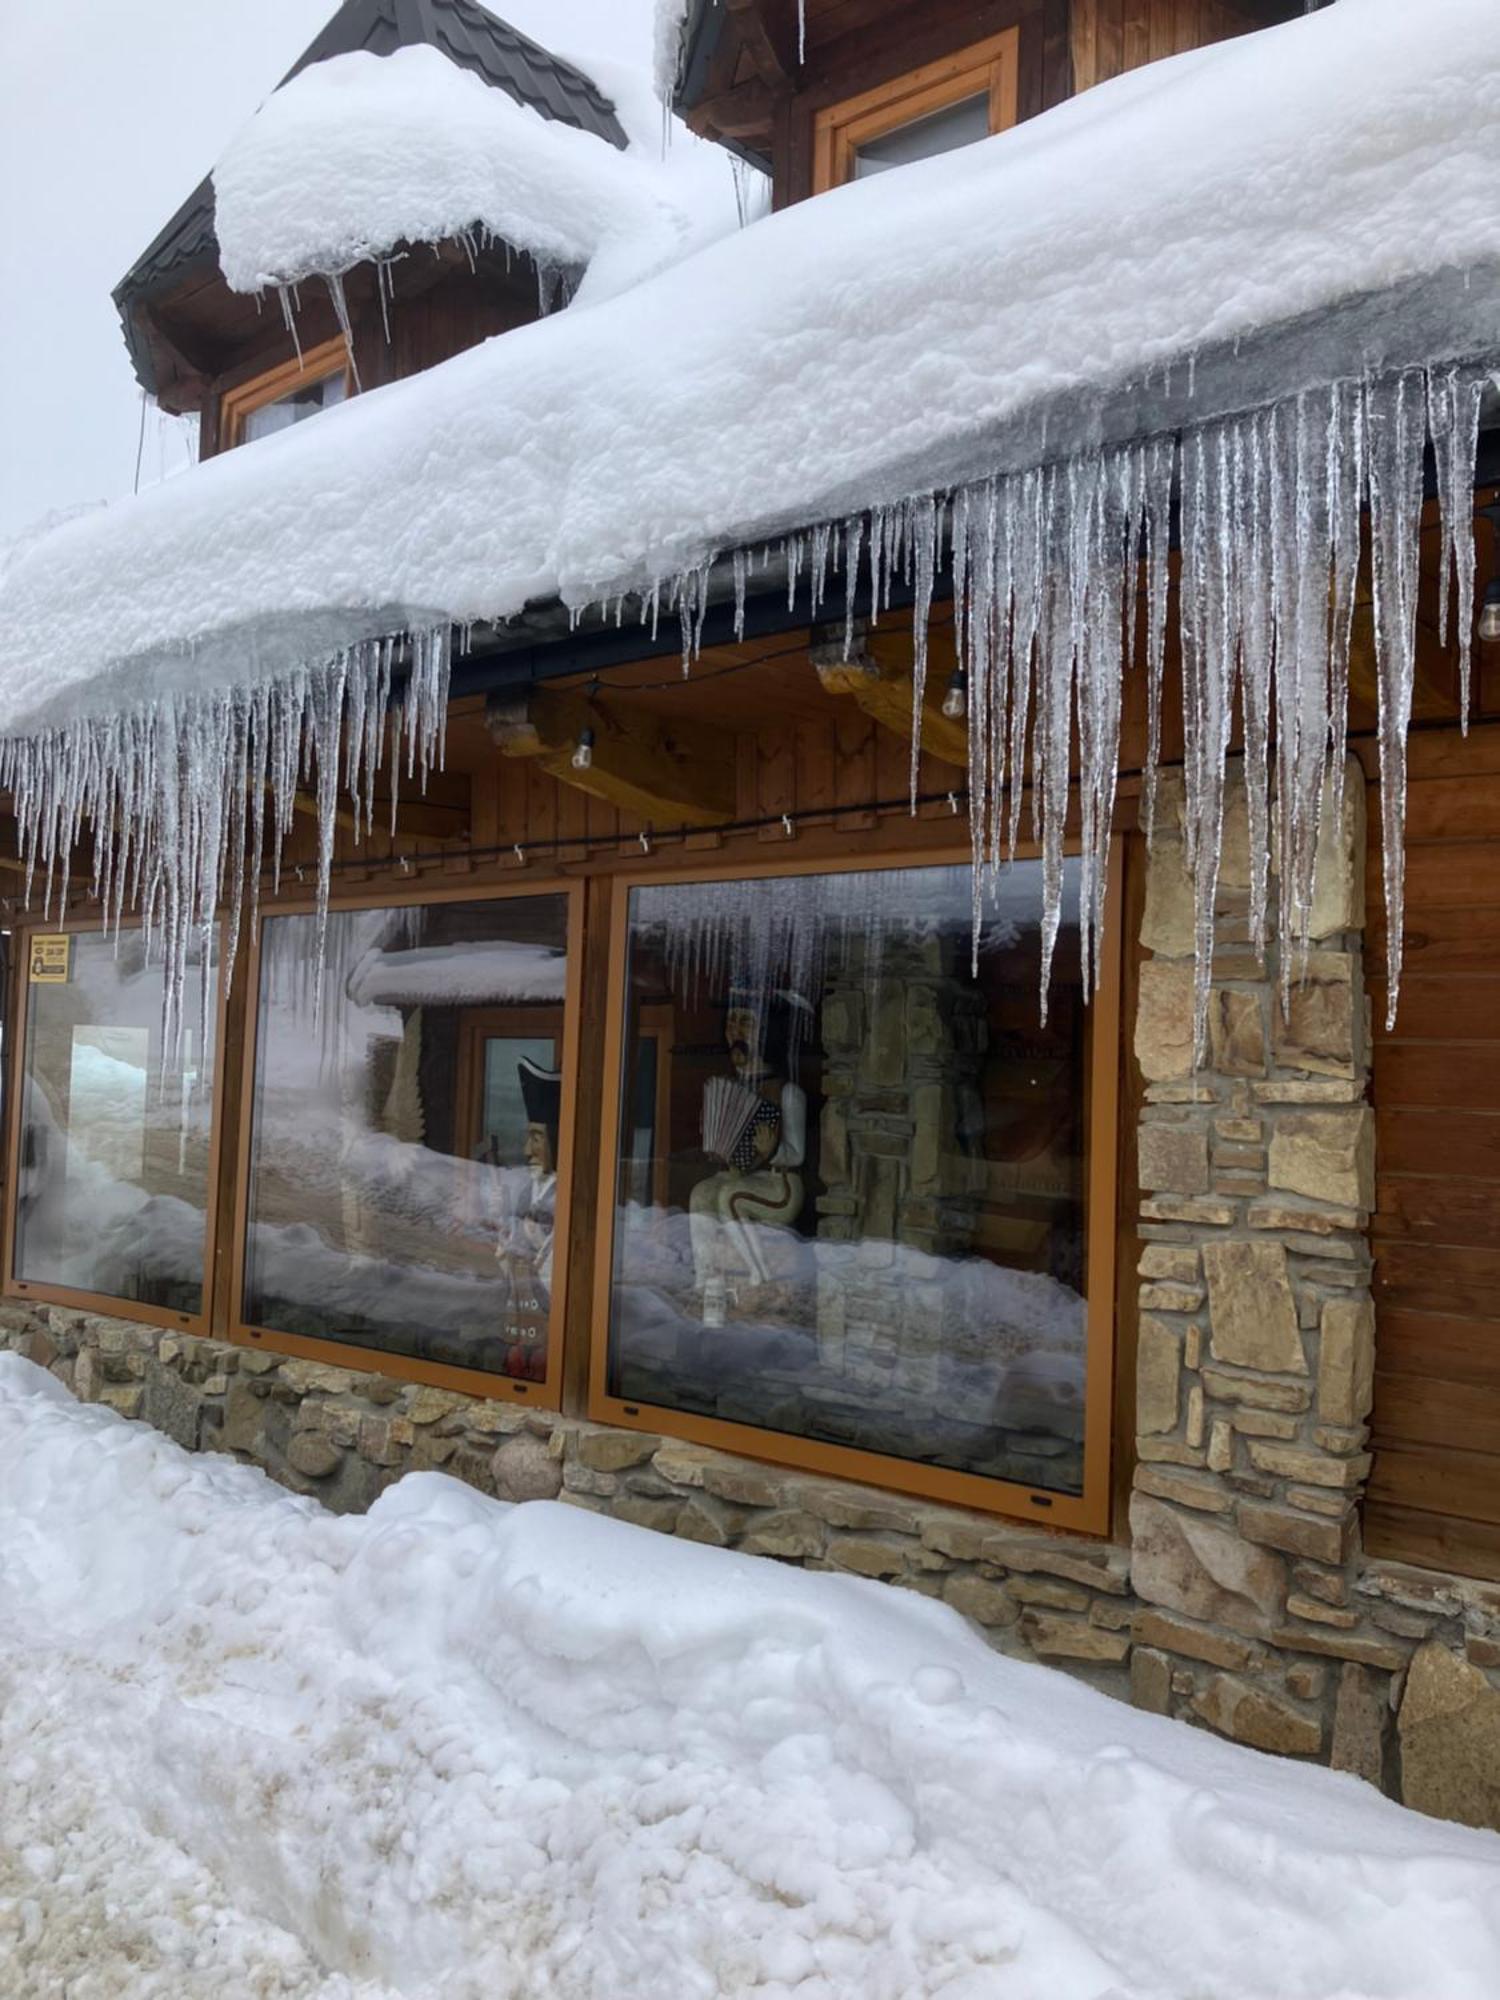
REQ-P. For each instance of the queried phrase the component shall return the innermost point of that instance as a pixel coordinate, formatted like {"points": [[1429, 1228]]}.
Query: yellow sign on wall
{"points": [[51, 959]]}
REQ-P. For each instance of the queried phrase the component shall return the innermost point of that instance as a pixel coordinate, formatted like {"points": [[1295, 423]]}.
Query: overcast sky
{"points": [[111, 111]]}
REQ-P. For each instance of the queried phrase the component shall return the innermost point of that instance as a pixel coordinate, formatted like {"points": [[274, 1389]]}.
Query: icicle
{"points": [[1396, 430], [335, 284], [1454, 396], [927, 528], [284, 293], [173, 793]]}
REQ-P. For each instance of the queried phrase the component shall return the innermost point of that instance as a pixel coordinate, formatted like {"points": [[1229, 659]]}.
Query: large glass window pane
{"points": [[112, 1183], [404, 1149], [850, 1198]]}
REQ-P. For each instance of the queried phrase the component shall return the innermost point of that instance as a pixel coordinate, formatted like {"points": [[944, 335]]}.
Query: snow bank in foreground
{"points": [[409, 148], [457, 1749], [844, 353]]}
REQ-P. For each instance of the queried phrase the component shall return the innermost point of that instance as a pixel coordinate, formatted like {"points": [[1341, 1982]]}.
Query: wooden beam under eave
{"points": [[883, 689], [438, 811], [763, 30], [661, 772]]}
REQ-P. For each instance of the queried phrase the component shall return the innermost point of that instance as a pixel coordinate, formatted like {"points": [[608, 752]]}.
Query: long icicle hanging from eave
{"points": [[185, 796]]}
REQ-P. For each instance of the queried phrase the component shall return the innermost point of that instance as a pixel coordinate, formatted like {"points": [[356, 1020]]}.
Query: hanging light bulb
{"points": [[1489, 617], [583, 756], [956, 700]]}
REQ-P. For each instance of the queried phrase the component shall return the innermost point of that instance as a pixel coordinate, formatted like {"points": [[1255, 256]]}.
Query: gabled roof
{"points": [[468, 34]]}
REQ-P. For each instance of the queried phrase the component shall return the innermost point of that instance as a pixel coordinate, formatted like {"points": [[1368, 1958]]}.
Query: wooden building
{"points": [[655, 1136]]}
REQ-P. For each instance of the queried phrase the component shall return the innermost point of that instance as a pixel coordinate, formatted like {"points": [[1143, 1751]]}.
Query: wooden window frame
{"points": [[104, 1303], [546, 1394], [501, 1022], [991, 67], [314, 364], [1088, 1512]]}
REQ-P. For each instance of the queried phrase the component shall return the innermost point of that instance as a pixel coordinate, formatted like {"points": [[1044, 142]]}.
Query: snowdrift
{"points": [[455, 1749]]}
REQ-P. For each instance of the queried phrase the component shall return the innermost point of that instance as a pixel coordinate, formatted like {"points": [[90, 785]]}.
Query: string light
{"points": [[956, 700], [583, 756]]}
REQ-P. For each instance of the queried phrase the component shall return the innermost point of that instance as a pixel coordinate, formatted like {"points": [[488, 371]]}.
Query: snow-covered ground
{"points": [[248, 1748]]}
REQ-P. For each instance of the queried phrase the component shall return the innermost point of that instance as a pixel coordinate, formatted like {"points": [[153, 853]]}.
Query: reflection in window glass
{"points": [[306, 400], [403, 1175], [112, 1187], [863, 1219], [940, 132]]}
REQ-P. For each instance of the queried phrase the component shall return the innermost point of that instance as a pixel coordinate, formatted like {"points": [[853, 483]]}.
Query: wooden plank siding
{"points": [[1434, 1495], [1111, 37]]}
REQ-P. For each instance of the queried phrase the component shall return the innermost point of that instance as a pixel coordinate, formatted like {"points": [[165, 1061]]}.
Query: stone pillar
{"points": [[1256, 1326]]}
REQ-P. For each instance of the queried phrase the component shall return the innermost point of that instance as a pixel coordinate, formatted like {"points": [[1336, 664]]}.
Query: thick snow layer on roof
{"points": [[409, 148], [460, 1749], [899, 333]]}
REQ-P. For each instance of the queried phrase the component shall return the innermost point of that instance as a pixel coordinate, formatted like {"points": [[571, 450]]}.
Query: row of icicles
{"points": [[188, 797]]}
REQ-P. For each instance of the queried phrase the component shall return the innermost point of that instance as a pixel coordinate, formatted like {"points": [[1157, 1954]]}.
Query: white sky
{"points": [[111, 111]]}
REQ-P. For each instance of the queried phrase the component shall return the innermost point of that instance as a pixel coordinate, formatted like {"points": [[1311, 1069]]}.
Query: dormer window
{"points": [[935, 109], [286, 395]]}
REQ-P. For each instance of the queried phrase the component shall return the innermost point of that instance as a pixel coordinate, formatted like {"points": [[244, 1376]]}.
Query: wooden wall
{"points": [[442, 312], [856, 45], [1434, 1495], [1109, 37]]}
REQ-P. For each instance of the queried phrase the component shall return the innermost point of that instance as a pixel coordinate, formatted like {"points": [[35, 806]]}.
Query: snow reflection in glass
{"points": [[850, 1195], [112, 1184], [403, 1177]]}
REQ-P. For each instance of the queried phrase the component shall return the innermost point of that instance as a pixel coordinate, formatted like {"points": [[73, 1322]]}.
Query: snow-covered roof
{"points": [[895, 335], [410, 149], [468, 34]]}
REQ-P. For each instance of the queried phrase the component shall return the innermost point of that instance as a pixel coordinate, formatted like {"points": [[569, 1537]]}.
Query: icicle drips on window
{"points": [[185, 798], [769, 939]]}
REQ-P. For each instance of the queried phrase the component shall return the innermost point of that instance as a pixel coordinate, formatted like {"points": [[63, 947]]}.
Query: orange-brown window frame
{"points": [[104, 1303], [546, 1394], [1088, 1512], [314, 364], [991, 67]]}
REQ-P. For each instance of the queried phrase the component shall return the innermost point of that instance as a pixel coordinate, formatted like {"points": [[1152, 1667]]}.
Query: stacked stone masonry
{"points": [[1255, 1364], [1243, 1603]]}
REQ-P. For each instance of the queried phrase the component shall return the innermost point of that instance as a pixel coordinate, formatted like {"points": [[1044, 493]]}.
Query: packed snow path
{"points": [[451, 1748]]}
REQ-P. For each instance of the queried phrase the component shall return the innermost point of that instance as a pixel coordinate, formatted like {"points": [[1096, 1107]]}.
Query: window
{"points": [[873, 1227], [284, 396], [113, 1127], [930, 110], [407, 1146]]}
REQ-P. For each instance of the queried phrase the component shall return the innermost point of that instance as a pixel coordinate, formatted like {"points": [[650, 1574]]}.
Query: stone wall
{"points": [[1244, 1603], [1258, 1614]]}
